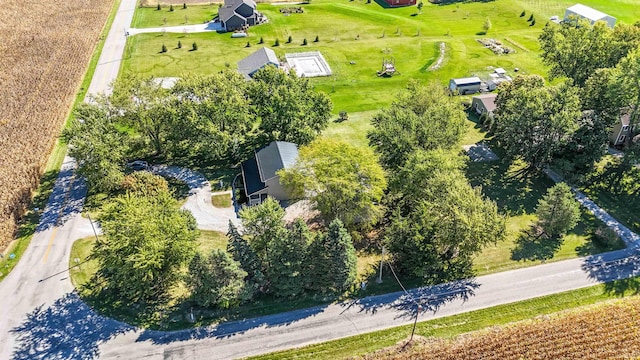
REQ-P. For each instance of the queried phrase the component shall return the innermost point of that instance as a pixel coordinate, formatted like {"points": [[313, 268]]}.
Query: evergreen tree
{"points": [[317, 39], [216, 280], [304, 42], [179, 44], [194, 47], [171, 7], [164, 48], [158, 7], [277, 43], [289, 40], [242, 252], [286, 257], [558, 211], [261, 40], [333, 260], [184, 5]]}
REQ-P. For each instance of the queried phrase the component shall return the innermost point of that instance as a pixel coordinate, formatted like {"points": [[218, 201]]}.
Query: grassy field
{"points": [[448, 327], [221, 200], [355, 37], [146, 17]]}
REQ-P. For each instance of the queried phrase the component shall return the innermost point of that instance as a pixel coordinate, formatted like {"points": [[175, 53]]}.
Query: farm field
{"points": [[577, 334], [38, 89], [356, 36]]}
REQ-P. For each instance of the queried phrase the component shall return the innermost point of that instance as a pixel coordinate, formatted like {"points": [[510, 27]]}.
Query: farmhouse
{"points": [[256, 61], [396, 3], [484, 104], [464, 86], [590, 14], [621, 130], [259, 172], [238, 14]]}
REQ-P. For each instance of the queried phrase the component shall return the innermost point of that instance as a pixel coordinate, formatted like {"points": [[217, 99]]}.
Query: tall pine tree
{"points": [[242, 252], [286, 256]]}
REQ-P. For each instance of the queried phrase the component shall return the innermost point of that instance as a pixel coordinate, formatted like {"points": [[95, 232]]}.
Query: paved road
{"points": [[111, 56]]}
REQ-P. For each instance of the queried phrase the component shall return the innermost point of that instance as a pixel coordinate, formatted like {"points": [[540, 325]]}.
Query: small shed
{"points": [[256, 61], [590, 14], [259, 173], [462, 86], [484, 104]]}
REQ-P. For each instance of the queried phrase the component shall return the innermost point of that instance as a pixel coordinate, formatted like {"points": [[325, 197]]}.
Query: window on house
{"points": [[621, 139], [625, 127]]}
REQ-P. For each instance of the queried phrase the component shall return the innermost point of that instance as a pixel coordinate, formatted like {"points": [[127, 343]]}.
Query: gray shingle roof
{"points": [[275, 156], [257, 60]]}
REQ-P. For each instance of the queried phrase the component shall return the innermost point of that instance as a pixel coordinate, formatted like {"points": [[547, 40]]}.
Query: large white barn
{"points": [[590, 14]]}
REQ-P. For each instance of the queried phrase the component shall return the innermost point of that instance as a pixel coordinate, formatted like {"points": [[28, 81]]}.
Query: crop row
{"points": [[46, 46], [605, 332]]}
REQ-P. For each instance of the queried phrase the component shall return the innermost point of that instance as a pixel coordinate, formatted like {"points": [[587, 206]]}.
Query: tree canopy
{"points": [[558, 211], [147, 241], [343, 181], [534, 121], [422, 118], [216, 279]]}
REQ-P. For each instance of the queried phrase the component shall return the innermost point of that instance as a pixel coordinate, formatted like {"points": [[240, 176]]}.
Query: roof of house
{"points": [[229, 9], [625, 119], [251, 176], [275, 156], [467, 80], [587, 12], [487, 100], [257, 60]]}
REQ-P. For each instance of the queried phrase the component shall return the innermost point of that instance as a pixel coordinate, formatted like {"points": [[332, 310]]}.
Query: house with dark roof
{"points": [[484, 104], [259, 173], [238, 14], [256, 61]]}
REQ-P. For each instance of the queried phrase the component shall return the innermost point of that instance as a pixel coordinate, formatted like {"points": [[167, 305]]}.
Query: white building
{"points": [[590, 14]]}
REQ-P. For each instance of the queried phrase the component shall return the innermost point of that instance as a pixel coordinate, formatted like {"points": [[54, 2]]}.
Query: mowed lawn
{"points": [[354, 37]]}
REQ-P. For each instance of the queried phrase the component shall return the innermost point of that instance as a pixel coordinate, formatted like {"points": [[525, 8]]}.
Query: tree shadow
{"points": [[229, 329], [66, 199], [423, 299], [618, 269], [68, 329], [532, 246]]}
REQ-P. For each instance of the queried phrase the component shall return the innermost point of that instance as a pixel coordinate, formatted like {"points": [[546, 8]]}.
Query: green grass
{"points": [[448, 327], [149, 17], [353, 131], [211, 240], [517, 196], [221, 200]]}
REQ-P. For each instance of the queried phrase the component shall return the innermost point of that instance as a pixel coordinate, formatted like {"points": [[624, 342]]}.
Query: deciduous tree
{"points": [[343, 181]]}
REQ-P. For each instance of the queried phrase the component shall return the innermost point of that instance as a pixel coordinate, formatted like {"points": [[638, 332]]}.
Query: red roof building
{"points": [[396, 3]]}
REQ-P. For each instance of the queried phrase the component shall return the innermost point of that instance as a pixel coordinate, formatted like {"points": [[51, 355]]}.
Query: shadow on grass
{"points": [[532, 246], [512, 191], [68, 329]]}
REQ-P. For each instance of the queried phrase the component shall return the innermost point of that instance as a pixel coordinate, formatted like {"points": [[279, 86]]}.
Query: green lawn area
{"points": [[221, 200], [355, 37], [448, 327], [149, 17]]}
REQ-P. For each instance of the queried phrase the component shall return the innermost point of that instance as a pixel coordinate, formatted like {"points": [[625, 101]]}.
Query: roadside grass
{"points": [[221, 200], [450, 326], [148, 17], [354, 37]]}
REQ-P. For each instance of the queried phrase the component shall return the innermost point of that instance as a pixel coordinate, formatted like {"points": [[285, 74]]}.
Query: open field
{"points": [[356, 36], [152, 17], [38, 88], [604, 331], [452, 326]]}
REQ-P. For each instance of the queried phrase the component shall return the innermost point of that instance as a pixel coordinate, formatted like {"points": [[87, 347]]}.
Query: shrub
{"points": [[523, 13], [304, 42], [261, 40], [605, 237], [530, 17], [289, 40], [179, 45], [171, 7], [194, 47], [343, 116], [144, 183], [158, 7], [316, 39], [248, 44], [164, 48], [277, 43], [184, 5]]}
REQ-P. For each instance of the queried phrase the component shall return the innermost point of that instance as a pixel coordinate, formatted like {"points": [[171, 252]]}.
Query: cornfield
{"points": [[45, 49], [610, 331]]}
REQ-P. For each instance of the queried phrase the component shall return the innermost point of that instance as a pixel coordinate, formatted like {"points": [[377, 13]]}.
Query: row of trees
{"points": [[215, 119]]}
